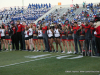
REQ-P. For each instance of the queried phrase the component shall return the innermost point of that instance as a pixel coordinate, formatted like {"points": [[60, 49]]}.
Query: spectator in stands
{"points": [[91, 5], [83, 4]]}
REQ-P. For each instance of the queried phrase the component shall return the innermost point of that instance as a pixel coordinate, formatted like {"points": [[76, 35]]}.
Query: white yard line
{"points": [[28, 61], [76, 57], [42, 57], [32, 60]]}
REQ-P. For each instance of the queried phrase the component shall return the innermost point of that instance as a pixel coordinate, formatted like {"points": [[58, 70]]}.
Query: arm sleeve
{"points": [[98, 31], [77, 28], [46, 27]]}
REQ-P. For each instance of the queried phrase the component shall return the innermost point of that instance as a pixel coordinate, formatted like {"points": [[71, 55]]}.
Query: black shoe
{"points": [[39, 50], [76, 52], [4, 49], [61, 51], [13, 49], [33, 49], [53, 50], [50, 51], [29, 50], [43, 50], [1, 49], [56, 51]]}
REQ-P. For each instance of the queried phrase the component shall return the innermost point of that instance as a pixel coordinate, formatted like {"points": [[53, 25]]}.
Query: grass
{"points": [[49, 66]]}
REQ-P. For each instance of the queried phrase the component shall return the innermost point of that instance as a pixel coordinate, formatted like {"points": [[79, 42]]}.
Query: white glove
{"points": [[95, 33]]}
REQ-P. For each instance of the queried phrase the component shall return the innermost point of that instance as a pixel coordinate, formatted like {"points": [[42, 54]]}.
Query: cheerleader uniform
{"points": [[50, 34], [56, 33], [30, 33], [63, 35], [2, 34], [26, 35], [35, 37], [7, 37], [82, 36], [40, 35], [70, 38]]}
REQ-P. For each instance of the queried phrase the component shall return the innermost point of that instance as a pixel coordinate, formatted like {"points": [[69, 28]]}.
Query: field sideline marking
{"points": [[28, 61]]}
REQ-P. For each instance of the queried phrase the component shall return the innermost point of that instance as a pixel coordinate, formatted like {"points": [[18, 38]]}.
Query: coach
{"points": [[19, 35], [45, 37], [23, 35], [13, 35], [76, 37]]}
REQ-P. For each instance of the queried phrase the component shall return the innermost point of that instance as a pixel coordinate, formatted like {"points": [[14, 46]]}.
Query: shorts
{"points": [[35, 38], [57, 37], [31, 36], [70, 38], [64, 38], [81, 38], [2, 37], [7, 38], [50, 37], [26, 38], [40, 37]]}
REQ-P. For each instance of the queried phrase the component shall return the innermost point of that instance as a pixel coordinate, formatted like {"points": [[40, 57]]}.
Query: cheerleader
{"points": [[27, 38], [70, 39], [40, 39], [2, 36], [7, 38], [50, 37], [35, 39], [31, 36], [82, 36], [64, 40], [57, 38]]}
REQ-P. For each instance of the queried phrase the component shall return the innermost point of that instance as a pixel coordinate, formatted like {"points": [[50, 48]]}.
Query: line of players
{"points": [[32, 36]]}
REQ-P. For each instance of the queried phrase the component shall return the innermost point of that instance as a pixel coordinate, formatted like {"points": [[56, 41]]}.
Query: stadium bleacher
{"points": [[35, 11], [32, 13]]}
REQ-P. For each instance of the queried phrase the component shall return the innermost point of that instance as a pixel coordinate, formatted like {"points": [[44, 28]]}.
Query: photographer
{"points": [[97, 34], [92, 29]]}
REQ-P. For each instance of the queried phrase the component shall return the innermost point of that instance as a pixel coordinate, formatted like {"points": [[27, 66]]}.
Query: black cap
{"points": [[92, 21], [12, 22], [96, 19], [75, 22]]}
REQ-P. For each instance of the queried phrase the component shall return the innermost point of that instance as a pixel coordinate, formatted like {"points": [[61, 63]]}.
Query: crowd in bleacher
{"points": [[32, 13]]}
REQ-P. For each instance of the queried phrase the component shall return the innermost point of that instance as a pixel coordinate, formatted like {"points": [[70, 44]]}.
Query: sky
{"points": [[9, 3]]}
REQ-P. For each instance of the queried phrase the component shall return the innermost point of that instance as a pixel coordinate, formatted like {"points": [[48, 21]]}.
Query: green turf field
{"points": [[40, 63]]}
